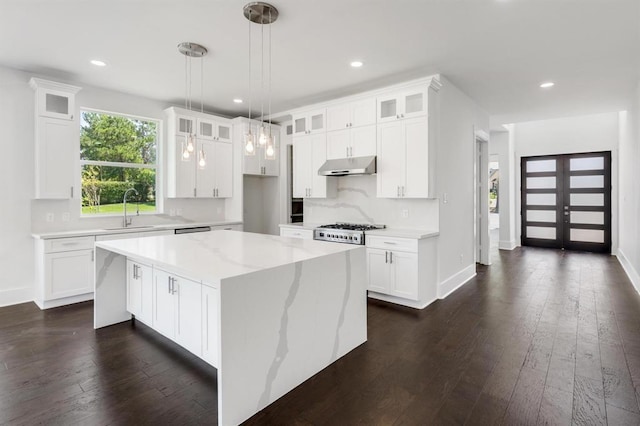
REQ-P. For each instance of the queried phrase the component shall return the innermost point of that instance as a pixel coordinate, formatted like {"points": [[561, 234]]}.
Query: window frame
{"points": [[159, 187]]}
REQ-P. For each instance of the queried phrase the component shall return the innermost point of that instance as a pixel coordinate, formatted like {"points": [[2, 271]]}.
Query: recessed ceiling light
{"points": [[237, 100], [547, 84], [98, 63], [356, 64]]}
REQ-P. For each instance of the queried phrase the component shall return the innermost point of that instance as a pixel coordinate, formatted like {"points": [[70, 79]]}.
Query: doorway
{"points": [[481, 184], [566, 201]]}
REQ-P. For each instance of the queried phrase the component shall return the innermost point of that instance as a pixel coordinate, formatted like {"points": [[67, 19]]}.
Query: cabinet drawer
{"points": [[57, 245], [392, 243], [305, 234]]}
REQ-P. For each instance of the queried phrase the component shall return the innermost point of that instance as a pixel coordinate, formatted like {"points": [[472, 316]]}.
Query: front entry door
{"points": [[566, 201]]}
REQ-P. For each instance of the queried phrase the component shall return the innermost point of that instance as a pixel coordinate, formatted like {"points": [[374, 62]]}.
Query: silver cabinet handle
{"points": [[194, 192], [390, 257], [401, 115], [347, 148], [390, 242], [72, 192], [398, 190], [403, 191], [386, 257], [169, 285]]}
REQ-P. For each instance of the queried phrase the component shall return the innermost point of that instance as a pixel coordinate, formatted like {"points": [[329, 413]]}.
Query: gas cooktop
{"points": [[350, 233]]}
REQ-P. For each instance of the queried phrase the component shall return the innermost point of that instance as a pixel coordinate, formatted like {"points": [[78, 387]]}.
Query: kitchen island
{"points": [[268, 312]]}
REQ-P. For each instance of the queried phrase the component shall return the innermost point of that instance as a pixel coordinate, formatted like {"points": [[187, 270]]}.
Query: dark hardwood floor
{"points": [[539, 337]]}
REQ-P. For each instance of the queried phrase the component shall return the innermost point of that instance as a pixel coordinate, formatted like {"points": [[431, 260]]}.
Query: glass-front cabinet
{"points": [[309, 122], [403, 104]]}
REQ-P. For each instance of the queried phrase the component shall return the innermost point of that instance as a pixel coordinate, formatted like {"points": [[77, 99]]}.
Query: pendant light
{"points": [[259, 13], [270, 151], [191, 50]]}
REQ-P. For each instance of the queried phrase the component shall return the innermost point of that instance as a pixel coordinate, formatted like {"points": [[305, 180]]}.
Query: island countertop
{"points": [[213, 256]]}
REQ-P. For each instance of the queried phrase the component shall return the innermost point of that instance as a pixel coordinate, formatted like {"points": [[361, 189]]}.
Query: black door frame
{"points": [[563, 191]]}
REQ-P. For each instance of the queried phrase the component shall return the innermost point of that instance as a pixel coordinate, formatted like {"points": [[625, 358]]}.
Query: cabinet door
{"points": [[185, 125], [404, 267], [68, 273], [164, 310], [188, 297], [363, 112], [414, 103], [338, 144], [339, 117], [134, 289], [363, 141], [210, 320], [416, 138], [206, 176], [185, 176], [223, 167], [300, 126], [206, 129], [55, 158], [56, 104], [391, 159], [316, 121], [318, 157], [388, 108], [378, 270], [271, 166], [223, 132], [301, 162]]}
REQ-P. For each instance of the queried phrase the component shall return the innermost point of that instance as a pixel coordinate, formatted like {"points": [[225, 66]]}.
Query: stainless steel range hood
{"points": [[349, 166]]}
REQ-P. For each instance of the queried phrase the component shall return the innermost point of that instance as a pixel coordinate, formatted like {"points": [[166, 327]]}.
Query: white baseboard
{"points": [[456, 281], [47, 304], [399, 300], [629, 269], [15, 296], [507, 245]]}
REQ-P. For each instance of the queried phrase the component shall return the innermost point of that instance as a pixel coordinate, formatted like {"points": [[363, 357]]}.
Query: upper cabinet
{"points": [[57, 136], [207, 170], [310, 122], [261, 161], [351, 114], [403, 104]]}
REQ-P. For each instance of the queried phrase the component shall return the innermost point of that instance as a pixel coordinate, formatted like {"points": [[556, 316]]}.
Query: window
{"points": [[117, 152]]}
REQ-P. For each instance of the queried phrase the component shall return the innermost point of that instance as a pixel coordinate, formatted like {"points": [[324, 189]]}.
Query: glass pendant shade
{"points": [[249, 146], [270, 153], [202, 162], [263, 136], [185, 155], [190, 145]]}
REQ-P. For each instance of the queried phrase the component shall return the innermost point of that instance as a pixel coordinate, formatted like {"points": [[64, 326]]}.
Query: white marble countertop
{"points": [[144, 228], [212, 256], [404, 233]]}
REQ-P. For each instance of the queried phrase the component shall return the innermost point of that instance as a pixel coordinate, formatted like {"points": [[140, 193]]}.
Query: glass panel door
{"points": [[566, 201]]}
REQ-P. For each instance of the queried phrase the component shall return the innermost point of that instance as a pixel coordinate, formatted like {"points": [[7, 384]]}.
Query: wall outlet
{"points": [[172, 212], [50, 217], [405, 213], [66, 217], [179, 212]]}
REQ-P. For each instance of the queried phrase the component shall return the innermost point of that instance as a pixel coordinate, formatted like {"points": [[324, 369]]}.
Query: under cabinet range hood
{"points": [[349, 166]]}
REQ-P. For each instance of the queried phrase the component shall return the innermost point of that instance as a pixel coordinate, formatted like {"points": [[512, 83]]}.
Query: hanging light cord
{"points": [[261, 73], [270, 75], [250, 97], [202, 84]]}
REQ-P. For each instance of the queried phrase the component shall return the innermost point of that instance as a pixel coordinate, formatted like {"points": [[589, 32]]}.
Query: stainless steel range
{"points": [[350, 233]]}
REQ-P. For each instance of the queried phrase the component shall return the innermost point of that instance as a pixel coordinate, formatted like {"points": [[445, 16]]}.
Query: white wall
{"points": [[501, 145], [21, 215], [629, 243], [460, 117], [589, 133]]}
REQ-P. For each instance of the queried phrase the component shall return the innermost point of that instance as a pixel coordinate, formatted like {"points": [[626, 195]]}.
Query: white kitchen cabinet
{"points": [[210, 324], [309, 154], [352, 142], [402, 270], [185, 177], [57, 135], [399, 105], [309, 122], [177, 309], [214, 129], [403, 161], [64, 271], [303, 234], [351, 114], [140, 291], [259, 163]]}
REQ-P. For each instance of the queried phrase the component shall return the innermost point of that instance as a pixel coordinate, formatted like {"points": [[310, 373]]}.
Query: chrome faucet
{"points": [[127, 221]]}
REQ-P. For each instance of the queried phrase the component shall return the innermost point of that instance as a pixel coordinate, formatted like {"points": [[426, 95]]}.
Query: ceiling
{"points": [[497, 51]]}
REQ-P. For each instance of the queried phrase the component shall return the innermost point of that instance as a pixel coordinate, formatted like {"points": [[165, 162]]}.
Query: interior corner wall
{"points": [[629, 243], [460, 117], [589, 133], [501, 144]]}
